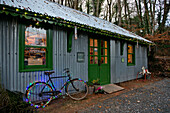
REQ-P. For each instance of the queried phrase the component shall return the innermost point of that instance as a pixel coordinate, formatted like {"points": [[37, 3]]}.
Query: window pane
{"points": [[35, 36], [95, 43], [95, 60], [105, 44], [91, 42], [91, 59], [130, 48], [105, 52], [130, 58], [105, 60], [102, 60], [91, 51], [95, 51], [34, 56]]}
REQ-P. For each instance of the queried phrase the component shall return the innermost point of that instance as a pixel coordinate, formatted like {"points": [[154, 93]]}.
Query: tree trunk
{"points": [[153, 18], [129, 17], [166, 10], [94, 7], [147, 25], [119, 15], [159, 14], [109, 2], [116, 10], [97, 8], [125, 8], [66, 2], [62, 1], [76, 4], [139, 13], [88, 6]]}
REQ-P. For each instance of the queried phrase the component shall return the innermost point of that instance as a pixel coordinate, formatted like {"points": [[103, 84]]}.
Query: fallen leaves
{"points": [[126, 95], [100, 106], [159, 109]]}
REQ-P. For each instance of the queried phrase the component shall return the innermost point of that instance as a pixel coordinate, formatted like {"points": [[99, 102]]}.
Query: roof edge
{"points": [[5, 9]]}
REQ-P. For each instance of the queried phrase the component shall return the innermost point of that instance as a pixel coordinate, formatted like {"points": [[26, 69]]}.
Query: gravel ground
{"points": [[154, 98]]}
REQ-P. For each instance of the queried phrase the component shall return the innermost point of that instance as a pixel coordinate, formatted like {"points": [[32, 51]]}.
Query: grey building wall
{"points": [[14, 80], [119, 70]]}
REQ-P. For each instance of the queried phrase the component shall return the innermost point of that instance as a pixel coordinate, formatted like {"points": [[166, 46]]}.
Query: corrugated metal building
{"points": [[101, 51]]}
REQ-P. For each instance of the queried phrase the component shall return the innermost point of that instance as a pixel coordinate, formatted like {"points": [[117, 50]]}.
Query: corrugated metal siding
{"points": [[113, 61], [120, 71], [13, 80], [16, 81]]}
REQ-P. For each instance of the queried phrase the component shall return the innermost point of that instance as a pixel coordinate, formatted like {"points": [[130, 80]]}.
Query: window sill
{"points": [[37, 69], [130, 64]]}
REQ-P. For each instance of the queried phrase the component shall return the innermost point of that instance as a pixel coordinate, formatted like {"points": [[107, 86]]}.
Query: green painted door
{"points": [[99, 63]]}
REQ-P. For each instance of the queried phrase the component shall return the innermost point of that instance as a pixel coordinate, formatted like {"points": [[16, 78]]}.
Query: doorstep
{"points": [[110, 88]]}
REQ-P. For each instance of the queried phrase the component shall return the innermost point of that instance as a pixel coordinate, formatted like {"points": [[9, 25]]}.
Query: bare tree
{"points": [[120, 14], [147, 18], [76, 2], [138, 7], [96, 4], [166, 10], [109, 9]]}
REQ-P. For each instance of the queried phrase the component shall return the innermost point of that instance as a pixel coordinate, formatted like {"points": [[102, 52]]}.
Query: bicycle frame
{"points": [[51, 92], [50, 80]]}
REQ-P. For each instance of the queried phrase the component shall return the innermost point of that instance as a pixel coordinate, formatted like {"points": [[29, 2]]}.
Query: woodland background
{"points": [[147, 18]]}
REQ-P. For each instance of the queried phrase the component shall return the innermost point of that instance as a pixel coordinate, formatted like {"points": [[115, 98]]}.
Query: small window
{"points": [[131, 55], [35, 49]]}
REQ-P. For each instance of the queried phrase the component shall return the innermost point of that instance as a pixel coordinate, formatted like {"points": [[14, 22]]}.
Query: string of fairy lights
{"points": [[40, 18]]}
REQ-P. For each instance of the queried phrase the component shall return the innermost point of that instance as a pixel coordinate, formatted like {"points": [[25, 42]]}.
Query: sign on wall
{"points": [[80, 56]]}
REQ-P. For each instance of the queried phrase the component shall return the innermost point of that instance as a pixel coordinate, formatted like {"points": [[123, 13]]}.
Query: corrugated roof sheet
{"points": [[56, 10]]}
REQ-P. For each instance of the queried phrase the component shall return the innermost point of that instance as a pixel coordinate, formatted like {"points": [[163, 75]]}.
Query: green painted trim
{"points": [[133, 56], [21, 46], [129, 64], [35, 46], [50, 49], [122, 43], [69, 40], [49, 52], [99, 38], [35, 69]]}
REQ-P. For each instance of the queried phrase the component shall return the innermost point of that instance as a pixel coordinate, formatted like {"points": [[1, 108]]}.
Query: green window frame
{"points": [[130, 55], [48, 65]]}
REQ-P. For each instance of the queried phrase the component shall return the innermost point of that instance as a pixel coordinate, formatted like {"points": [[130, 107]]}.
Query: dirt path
{"points": [[67, 105]]}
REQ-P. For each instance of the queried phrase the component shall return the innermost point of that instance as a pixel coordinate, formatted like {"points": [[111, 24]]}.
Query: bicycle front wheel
{"points": [[39, 94], [77, 89]]}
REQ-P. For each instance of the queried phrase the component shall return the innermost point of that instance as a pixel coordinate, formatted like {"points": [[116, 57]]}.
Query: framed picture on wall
{"points": [[80, 56]]}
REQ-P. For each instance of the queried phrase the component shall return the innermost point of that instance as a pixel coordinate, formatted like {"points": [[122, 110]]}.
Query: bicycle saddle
{"points": [[49, 72]]}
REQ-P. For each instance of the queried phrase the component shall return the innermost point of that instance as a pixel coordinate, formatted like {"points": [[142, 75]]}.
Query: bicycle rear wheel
{"points": [[39, 94], [77, 89]]}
